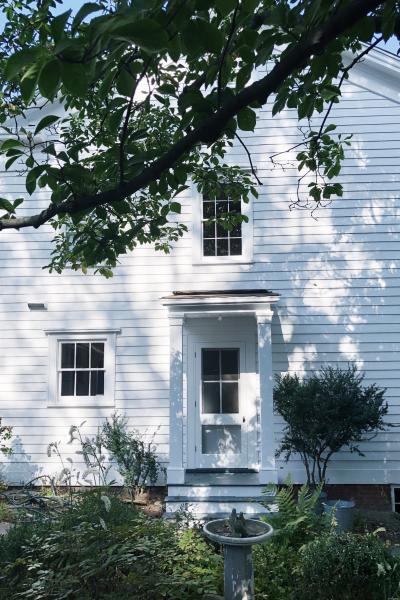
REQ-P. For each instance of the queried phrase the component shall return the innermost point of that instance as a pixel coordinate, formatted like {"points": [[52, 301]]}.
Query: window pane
{"points": [[209, 247], [208, 210], [210, 364], [208, 229], [237, 231], [82, 383], [221, 439], [222, 247], [97, 358], [236, 246], [230, 398], [67, 356], [222, 207], [235, 207], [82, 355], [211, 398], [230, 364], [67, 383], [97, 383], [221, 231]]}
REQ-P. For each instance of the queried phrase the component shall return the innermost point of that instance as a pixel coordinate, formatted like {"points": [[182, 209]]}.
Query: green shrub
{"points": [[104, 549], [330, 410], [349, 567]]}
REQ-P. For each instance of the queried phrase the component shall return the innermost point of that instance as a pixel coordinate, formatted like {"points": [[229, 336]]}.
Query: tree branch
{"points": [[210, 130]]}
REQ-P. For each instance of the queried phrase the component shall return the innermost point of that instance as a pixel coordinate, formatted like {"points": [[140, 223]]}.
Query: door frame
{"points": [[248, 386]]}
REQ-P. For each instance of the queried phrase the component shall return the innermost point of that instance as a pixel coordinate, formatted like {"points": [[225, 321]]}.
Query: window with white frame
{"points": [[81, 368], [212, 241], [218, 240]]}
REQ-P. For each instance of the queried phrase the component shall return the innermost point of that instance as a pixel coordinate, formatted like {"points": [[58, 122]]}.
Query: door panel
{"points": [[221, 429]]}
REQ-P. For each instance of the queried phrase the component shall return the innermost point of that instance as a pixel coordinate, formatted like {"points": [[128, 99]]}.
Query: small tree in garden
{"points": [[136, 460], [330, 410]]}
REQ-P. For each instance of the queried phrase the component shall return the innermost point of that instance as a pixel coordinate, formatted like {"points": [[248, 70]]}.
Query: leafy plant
{"points": [[326, 412], [91, 450], [98, 550], [296, 521], [136, 459], [349, 567]]}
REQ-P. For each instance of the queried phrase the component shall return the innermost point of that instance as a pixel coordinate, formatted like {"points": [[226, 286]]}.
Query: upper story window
{"points": [[217, 239], [81, 368], [214, 243]]}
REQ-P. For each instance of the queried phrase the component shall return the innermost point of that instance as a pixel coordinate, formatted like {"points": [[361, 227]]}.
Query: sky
{"points": [[392, 45]]}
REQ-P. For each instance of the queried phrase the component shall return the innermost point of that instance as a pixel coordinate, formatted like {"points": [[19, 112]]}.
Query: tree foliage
{"points": [[153, 94], [326, 412]]}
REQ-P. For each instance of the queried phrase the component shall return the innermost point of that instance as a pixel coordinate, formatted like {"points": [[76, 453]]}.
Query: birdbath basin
{"points": [[238, 560]]}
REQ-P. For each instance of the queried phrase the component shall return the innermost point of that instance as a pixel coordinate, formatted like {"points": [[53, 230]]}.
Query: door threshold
{"points": [[221, 470]]}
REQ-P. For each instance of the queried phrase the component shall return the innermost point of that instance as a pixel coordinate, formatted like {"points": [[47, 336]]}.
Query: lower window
{"points": [[81, 368]]}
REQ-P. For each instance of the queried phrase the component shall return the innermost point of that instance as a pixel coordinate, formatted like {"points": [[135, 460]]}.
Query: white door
{"points": [[222, 406]]}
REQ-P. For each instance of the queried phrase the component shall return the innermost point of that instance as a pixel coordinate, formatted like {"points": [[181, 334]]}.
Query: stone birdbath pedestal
{"points": [[237, 535]]}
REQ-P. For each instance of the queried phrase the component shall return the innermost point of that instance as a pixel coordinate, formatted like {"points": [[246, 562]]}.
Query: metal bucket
{"points": [[342, 511]]}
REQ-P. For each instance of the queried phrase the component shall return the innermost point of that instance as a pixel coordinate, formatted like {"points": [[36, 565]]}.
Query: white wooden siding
{"points": [[338, 276]]}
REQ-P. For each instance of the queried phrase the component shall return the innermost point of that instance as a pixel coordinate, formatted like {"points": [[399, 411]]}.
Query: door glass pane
{"points": [[230, 364], [82, 383], [67, 356], [210, 365], [82, 355], [67, 383], [96, 383], [221, 439], [211, 400], [230, 398], [97, 357]]}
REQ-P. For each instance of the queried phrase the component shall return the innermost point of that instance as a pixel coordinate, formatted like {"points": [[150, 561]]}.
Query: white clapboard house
{"points": [[186, 344]]}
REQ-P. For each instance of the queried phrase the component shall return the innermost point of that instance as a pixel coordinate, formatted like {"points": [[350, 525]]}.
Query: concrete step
{"points": [[217, 508], [204, 491], [226, 478]]}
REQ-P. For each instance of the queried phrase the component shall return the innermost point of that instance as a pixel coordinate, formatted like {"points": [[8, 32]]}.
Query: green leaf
{"points": [[246, 119], [10, 144], [175, 207], [125, 83], [201, 36], [146, 33], [6, 205], [11, 161], [83, 12], [75, 78], [19, 60], [49, 79], [28, 82], [46, 122], [58, 24], [225, 6]]}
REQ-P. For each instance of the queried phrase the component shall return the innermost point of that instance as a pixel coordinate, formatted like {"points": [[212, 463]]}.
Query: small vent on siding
{"points": [[36, 306]]}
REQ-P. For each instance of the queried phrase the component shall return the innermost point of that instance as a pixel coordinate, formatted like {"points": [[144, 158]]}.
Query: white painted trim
{"points": [[220, 300], [197, 235], [57, 336], [175, 471], [268, 472]]}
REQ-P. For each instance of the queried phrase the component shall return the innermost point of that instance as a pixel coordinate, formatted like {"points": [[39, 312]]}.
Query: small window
{"points": [[82, 368], [220, 381], [396, 499], [217, 240]]}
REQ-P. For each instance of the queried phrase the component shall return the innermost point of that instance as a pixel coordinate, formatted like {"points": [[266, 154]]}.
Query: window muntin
{"points": [[81, 370], [220, 374], [218, 241]]}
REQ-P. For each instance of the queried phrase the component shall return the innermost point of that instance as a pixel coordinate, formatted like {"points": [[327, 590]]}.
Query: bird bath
{"points": [[238, 535]]}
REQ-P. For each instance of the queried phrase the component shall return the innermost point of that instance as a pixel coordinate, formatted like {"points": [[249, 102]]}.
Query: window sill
{"points": [[223, 261], [81, 404]]}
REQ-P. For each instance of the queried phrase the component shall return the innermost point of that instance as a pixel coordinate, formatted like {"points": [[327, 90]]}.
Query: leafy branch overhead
{"points": [[136, 99]]}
